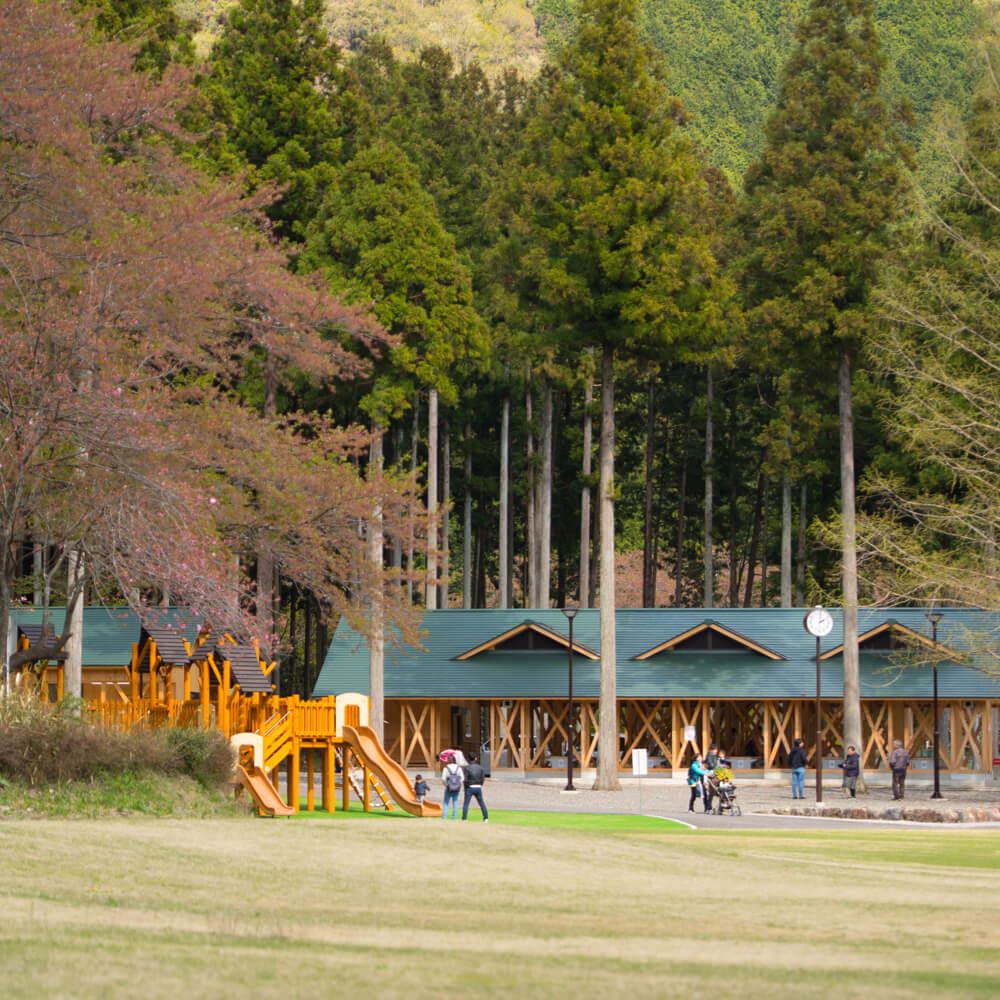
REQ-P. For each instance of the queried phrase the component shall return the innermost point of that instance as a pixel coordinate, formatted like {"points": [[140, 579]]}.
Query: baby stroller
{"points": [[723, 792]]}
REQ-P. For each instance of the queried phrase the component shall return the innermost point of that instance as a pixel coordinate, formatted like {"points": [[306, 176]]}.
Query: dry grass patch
{"points": [[413, 908]]}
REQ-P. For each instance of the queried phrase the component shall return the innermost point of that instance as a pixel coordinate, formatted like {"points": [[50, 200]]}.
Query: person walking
{"points": [[797, 760], [420, 788], [453, 779], [710, 763], [696, 779], [474, 778], [852, 768], [899, 761]]}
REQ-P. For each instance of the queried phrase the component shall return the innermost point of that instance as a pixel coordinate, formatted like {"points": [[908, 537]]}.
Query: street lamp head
{"points": [[570, 612], [934, 616]]}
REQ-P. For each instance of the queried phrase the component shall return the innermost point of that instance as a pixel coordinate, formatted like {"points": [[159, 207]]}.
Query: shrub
{"points": [[41, 743], [205, 754]]}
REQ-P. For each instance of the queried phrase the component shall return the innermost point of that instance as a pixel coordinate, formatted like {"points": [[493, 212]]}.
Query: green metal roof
{"points": [[435, 671], [108, 633]]}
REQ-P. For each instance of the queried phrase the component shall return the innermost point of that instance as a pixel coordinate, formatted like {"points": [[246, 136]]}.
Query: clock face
{"points": [[819, 622]]}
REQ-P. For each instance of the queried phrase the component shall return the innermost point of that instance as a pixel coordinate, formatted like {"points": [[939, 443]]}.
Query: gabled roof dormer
{"points": [[710, 636], [892, 637], [528, 637]]}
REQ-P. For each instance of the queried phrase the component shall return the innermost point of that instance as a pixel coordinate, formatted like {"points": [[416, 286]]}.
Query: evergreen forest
{"points": [[315, 309]]}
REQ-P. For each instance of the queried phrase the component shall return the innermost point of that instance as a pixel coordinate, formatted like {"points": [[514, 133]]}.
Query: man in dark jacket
{"points": [[899, 761], [474, 778]]}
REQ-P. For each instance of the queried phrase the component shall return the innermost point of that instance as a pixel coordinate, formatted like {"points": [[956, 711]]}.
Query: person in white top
{"points": [[454, 778]]}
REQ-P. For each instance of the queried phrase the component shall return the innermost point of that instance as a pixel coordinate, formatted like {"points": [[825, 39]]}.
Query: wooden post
{"points": [[310, 777], [345, 777], [134, 675], [187, 682], [988, 738], [766, 735], [60, 681], [329, 759], [675, 758], [206, 705], [222, 713], [153, 693], [293, 776]]}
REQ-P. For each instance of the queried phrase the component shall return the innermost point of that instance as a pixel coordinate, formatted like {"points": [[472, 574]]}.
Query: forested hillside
{"points": [[723, 57]]}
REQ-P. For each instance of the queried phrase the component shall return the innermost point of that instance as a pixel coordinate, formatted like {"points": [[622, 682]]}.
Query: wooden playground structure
{"points": [[216, 683]]}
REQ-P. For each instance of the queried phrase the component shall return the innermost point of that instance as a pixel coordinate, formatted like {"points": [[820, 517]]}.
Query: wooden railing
{"points": [[306, 720]]}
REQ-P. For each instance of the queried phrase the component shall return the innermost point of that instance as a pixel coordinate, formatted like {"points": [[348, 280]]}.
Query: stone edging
{"points": [[912, 814]]}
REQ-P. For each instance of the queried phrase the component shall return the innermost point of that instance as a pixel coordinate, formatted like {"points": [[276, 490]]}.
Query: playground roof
{"points": [[743, 653], [108, 633]]}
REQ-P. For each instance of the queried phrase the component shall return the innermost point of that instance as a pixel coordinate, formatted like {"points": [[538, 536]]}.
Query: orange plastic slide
{"points": [[394, 779], [265, 795]]}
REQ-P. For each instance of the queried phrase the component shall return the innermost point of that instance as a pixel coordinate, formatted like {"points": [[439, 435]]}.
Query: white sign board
{"points": [[640, 763], [689, 734]]}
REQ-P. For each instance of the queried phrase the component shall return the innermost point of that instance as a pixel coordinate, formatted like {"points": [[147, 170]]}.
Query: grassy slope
{"points": [[412, 908]]}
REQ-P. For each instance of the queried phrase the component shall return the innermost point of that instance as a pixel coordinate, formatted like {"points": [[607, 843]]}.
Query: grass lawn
{"points": [[568, 906]]}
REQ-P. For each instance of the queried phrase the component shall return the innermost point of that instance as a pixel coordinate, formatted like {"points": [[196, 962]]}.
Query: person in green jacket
{"points": [[696, 779]]}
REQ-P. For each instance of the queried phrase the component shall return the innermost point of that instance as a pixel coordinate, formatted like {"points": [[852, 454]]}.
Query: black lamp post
{"points": [[934, 617], [818, 623], [570, 613]]}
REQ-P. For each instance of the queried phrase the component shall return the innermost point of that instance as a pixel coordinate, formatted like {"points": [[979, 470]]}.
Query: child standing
{"points": [[420, 788]]}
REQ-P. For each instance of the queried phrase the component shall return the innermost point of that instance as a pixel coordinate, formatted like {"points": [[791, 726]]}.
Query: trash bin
{"points": [[996, 768]]}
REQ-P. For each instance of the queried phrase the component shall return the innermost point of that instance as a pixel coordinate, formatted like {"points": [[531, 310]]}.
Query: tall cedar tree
{"points": [[269, 89], [604, 244], [820, 211], [377, 239], [933, 533]]}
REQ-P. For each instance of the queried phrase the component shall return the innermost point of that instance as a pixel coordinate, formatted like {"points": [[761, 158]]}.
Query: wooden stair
{"points": [[373, 783], [279, 740]]}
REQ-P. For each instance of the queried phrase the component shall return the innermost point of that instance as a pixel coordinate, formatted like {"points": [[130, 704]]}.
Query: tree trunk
{"points": [[376, 644], [543, 550], [681, 517], [800, 569], [607, 733], [765, 523], [709, 593], [38, 570], [265, 605], [442, 601], [734, 563], [530, 581], [414, 450], [73, 627], [8, 636], [585, 515], [852, 680], [467, 524], [786, 542], [504, 555], [397, 541], [648, 546], [754, 542], [307, 648], [432, 500]]}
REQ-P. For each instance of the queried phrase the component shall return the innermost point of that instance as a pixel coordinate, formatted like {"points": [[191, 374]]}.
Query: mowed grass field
{"points": [[397, 907]]}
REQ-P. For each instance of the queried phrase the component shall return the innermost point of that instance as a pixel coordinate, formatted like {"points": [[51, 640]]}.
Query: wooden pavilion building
{"points": [[496, 681]]}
